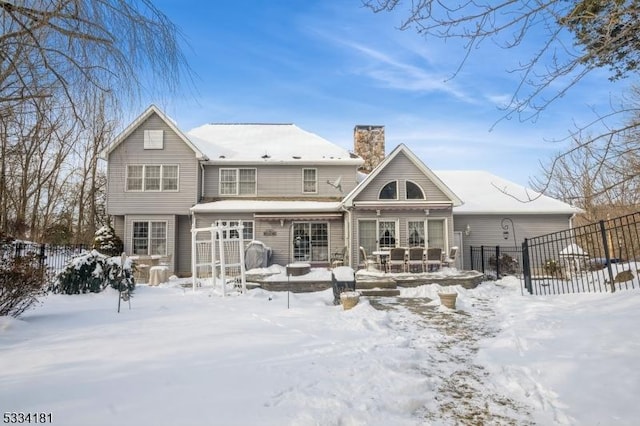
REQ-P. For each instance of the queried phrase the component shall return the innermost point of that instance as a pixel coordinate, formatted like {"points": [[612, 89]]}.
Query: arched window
{"points": [[414, 192], [389, 191]]}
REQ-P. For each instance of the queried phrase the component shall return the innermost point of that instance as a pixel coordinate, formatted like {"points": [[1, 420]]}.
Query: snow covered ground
{"points": [[184, 358]]}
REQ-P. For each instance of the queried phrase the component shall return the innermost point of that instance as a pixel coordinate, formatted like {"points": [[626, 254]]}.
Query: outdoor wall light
{"points": [[426, 212], [467, 230]]}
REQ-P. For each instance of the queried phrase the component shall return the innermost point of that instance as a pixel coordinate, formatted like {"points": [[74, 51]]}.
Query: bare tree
{"points": [[65, 66], [605, 35]]}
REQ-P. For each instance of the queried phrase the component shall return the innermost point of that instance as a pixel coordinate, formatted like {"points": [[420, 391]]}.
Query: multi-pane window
{"points": [[152, 177], [149, 238], [247, 231], [169, 178], [389, 191], [310, 241], [237, 181], [414, 192], [135, 178], [309, 181]]}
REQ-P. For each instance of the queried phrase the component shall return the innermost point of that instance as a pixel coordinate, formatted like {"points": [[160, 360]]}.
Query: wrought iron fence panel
{"points": [[598, 257]]}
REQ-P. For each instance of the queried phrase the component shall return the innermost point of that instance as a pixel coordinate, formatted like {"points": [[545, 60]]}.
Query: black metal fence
{"points": [[496, 261], [599, 257], [52, 256]]}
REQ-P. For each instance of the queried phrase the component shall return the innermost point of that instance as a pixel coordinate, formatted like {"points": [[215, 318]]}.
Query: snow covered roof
{"points": [[263, 143], [483, 192], [266, 206]]}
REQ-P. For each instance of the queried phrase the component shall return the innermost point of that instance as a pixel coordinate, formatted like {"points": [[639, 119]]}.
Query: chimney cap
{"points": [[368, 126]]}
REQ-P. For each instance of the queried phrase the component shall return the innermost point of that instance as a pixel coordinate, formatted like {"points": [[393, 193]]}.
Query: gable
{"points": [[402, 167], [151, 140]]}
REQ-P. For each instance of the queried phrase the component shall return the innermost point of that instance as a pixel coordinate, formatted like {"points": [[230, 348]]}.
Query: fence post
{"points": [[526, 266], [497, 262], [482, 258], [42, 256], [605, 243]]}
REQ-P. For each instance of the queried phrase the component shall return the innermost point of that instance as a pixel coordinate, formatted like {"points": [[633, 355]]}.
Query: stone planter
{"points": [[349, 299], [448, 299]]}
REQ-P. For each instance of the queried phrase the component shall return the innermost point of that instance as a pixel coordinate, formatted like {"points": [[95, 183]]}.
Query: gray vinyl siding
{"points": [[402, 217], [286, 181], [171, 232], [118, 226], [131, 151], [182, 253], [486, 229], [402, 169]]}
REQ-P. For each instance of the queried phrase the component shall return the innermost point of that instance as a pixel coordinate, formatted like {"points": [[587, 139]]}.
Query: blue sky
{"points": [[329, 65]]}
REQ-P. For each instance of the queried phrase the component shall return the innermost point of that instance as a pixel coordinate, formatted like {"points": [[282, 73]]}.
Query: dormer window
{"points": [[414, 192], [389, 191], [153, 139]]}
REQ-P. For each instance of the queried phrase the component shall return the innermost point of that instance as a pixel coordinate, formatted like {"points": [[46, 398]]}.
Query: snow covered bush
{"points": [[507, 264], [92, 272], [107, 242], [23, 279]]}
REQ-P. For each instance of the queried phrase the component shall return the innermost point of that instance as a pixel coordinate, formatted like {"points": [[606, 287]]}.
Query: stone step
{"points": [[367, 284], [380, 292]]}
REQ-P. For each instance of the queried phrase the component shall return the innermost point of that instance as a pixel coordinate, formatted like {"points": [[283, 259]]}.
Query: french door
{"points": [[310, 241]]}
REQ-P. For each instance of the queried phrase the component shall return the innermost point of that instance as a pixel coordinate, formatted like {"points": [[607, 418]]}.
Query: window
{"points": [[237, 182], [416, 233], [247, 232], [169, 178], [149, 238], [414, 192], [309, 181], [134, 178], [153, 139], [310, 241], [386, 234], [152, 177], [389, 191]]}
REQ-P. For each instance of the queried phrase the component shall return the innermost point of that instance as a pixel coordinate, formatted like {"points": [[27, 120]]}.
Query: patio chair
{"points": [[339, 258], [450, 260], [416, 257], [366, 262], [434, 259], [396, 258]]}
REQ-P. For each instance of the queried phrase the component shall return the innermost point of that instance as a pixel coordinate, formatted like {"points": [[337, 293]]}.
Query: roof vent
{"points": [[297, 157], [266, 156]]}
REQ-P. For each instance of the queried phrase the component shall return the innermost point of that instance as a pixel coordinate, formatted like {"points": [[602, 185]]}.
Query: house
{"points": [[300, 194]]}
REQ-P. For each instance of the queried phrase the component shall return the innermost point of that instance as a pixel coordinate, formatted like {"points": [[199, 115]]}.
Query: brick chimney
{"points": [[368, 143]]}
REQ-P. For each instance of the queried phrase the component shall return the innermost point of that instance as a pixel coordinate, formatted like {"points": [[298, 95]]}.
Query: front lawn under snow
{"points": [[180, 357]]}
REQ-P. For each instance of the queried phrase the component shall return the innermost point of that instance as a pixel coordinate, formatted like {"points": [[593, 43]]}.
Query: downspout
{"points": [[347, 232], [201, 183]]}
